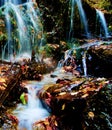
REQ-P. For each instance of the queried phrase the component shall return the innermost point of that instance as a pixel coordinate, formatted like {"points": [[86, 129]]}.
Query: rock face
{"points": [[55, 18], [10, 76], [105, 6], [57, 21], [101, 60], [68, 99]]}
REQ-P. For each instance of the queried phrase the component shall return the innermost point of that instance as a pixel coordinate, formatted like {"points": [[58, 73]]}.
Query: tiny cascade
{"points": [[103, 25], [84, 63], [31, 112], [23, 29], [82, 18], [64, 62], [70, 55]]}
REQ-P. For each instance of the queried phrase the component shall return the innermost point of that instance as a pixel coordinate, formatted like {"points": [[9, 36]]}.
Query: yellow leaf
{"points": [[62, 93], [56, 124], [91, 114], [2, 80], [63, 107], [46, 122], [5, 85]]}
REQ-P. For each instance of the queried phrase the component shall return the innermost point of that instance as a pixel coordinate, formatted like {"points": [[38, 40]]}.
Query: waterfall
{"points": [[8, 26], [24, 43], [82, 17], [2, 2], [24, 29], [101, 18], [23, 36], [71, 19], [34, 17]]}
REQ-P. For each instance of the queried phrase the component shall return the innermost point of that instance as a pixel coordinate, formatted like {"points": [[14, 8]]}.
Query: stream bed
{"points": [[34, 111]]}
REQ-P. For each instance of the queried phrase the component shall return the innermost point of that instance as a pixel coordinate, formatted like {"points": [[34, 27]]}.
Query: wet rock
{"points": [[53, 76], [33, 70], [54, 50], [9, 122], [1, 122], [101, 60], [97, 114], [67, 99], [49, 123], [10, 75], [51, 64], [103, 52], [55, 21]]}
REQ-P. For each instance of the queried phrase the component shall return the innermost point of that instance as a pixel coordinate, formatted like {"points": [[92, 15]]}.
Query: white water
{"points": [[2, 2], [33, 15], [21, 36], [24, 39], [82, 17], [71, 19], [34, 111], [101, 17], [8, 26], [85, 47], [84, 64]]}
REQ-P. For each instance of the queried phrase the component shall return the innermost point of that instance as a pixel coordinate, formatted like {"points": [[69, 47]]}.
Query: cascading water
{"points": [[34, 17], [2, 2], [8, 26], [71, 19], [101, 19], [33, 110], [24, 40], [84, 63], [85, 47], [23, 28], [82, 17]]}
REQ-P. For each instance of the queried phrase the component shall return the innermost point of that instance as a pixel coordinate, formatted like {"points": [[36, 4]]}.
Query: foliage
{"points": [[100, 105], [101, 4], [3, 37], [48, 50], [75, 45], [110, 28]]}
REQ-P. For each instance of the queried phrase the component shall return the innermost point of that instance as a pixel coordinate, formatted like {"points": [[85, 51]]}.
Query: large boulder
{"points": [[101, 60], [67, 99]]}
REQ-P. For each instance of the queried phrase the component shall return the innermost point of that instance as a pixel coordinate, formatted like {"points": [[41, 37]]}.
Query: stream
{"points": [[33, 111], [22, 31]]}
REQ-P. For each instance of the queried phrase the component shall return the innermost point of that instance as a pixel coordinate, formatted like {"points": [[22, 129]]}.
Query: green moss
{"points": [[101, 4]]}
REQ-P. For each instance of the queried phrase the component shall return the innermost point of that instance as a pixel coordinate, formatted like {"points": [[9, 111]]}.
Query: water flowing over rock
{"points": [[64, 85], [82, 18], [23, 29], [68, 100], [102, 21]]}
